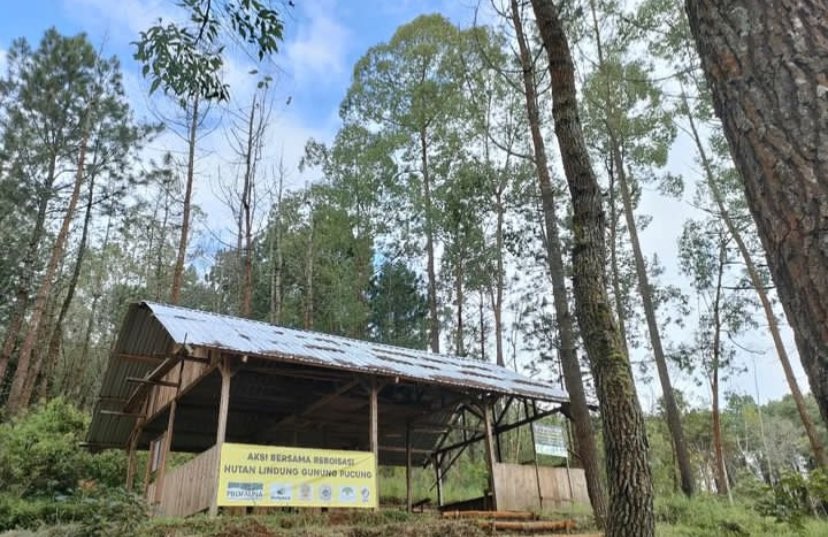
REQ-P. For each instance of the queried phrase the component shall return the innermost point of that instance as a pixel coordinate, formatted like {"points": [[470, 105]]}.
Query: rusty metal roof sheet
{"points": [[244, 336]]}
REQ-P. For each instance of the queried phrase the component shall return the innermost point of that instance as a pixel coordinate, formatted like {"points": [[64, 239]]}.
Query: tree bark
{"points": [[183, 240], [773, 326], [276, 257], [53, 350], [19, 396], [247, 215], [498, 297], [625, 438], [433, 317], [584, 433], [722, 486], [21, 302], [308, 321], [766, 64], [616, 270], [459, 296], [645, 291]]}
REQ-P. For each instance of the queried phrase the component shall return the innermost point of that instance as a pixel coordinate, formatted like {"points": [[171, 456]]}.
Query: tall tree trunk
{"points": [[276, 257], [722, 485], [309, 267], [584, 433], [247, 215], [765, 63], [20, 393], [53, 350], [645, 291], [183, 240], [625, 438], [459, 296], [433, 317], [755, 279], [616, 270], [497, 306], [21, 302]]}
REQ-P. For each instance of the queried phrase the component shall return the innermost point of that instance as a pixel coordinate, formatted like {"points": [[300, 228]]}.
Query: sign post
{"points": [[550, 440]]}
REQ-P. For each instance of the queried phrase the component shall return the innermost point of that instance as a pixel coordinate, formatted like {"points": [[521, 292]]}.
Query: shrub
{"points": [[40, 453], [99, 514], [795, 496]]}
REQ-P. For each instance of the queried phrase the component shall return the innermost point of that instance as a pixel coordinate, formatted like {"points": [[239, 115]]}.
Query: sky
{"points": [[312, 71]]}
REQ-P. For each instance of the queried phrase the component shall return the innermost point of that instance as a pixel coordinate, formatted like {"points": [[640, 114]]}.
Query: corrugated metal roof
{"points": [[244, 336], [152, 329]]}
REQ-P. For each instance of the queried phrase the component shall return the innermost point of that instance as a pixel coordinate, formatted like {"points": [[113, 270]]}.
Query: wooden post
{"points": [[490, 450], [165, 451], [438, 468], [221, 429], [131, 461], [374, 433], [535, 457], [408, 500]]}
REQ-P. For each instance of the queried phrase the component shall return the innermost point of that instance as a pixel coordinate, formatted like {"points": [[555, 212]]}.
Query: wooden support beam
{"points": [[408, 493], [139, 358], [120, 414], [438, 469], [168, 437], [490, 453], [165, 451], [311, 408], [131, 462], [221, 429], [535, 457], [154, 382], [501, 429], [374, 432]]}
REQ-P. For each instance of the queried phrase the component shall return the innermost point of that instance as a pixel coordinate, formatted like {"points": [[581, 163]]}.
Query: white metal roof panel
{"points": [[245, 336]]}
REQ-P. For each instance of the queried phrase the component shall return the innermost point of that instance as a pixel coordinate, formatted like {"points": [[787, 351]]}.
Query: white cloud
{"points": [[317, 51]]}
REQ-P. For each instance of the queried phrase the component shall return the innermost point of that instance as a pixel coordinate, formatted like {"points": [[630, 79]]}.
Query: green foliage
{"points": [[186, 60], [40, 453], [795, 497], [704, 516], [99, 513]]}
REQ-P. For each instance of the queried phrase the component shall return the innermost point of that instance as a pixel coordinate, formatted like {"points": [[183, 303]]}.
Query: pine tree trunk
{"points": [[433, 317], [616, 270], [625, 438], [765, 64], [645, 291], [309, 267], [183, 240], [247, 218], [458, 291], [584, 433], [498, 298], [773, 326], [21, 302], [276, 259], [53, 350], [722, 486], [19, 395]]}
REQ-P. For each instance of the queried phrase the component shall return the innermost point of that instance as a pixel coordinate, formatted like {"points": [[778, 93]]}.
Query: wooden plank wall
{"points": [[517, 487], [189, 488]]}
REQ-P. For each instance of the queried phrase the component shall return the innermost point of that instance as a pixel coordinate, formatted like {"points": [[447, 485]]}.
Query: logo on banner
{"points": [[245, 492]]}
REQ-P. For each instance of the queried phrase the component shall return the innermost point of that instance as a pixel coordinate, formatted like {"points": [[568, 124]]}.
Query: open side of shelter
{"points": [[182, 380]]}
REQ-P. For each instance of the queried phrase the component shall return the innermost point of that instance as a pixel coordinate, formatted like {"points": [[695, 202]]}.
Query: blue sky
{"points": [[323, 40]]}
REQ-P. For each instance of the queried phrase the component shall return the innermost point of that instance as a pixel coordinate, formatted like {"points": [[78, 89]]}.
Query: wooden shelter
{"points": [[181, 380]]}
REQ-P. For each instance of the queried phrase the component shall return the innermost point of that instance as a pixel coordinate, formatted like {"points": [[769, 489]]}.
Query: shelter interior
{"points": [[175, 384]]}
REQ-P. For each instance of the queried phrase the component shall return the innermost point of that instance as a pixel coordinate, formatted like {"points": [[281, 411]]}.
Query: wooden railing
{"points": [[189, 488]]}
